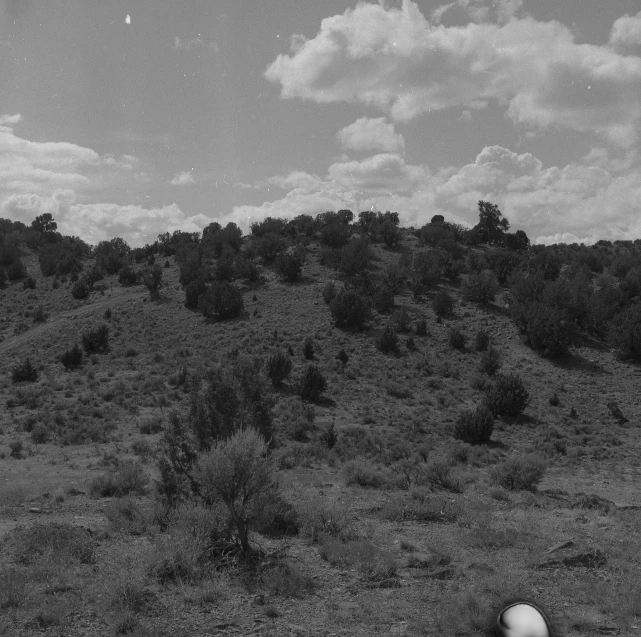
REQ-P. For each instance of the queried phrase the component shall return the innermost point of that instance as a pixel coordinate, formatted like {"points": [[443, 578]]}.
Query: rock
{"points": [[592, 501], [616, 412]]}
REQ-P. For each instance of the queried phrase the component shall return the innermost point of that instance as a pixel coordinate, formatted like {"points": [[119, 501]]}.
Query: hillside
{"points": [[401, 528]]}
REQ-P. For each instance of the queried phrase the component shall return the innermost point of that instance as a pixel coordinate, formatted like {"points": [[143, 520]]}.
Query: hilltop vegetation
{"points": [[436, 377]]}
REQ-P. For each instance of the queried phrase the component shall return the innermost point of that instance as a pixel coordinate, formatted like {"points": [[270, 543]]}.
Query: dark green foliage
{"points": [[335, 235], [349, 309], [59, 259], [29, 283], [442, 303], [401, 320], [502, 263], [507, 396], [311, 384], [96, 340], [246, 268], [301, 225], [329, 292], [491, 225], [80, 289], [222, 299], [269, 246], [167, 264], [474, 426], [127, 276], [518, 241], [8, 254], [39, 315], [387, 340], [268, 225], [355, 256], [390, 234], [152, 278], [457, 338], [72, 358], [16, 270], [278, 367], [410, 344], [438, 235], [308, 349], [44, 224], [112, 255], [545, 328], [328, 436], [625, 334], [383, 299], [426, 270], [421, 327], [554, 400], [24, 372], [519, 473], [225, 270], [3, 277], [93, 275], [290, 265], [481, 288], [481, 340], [394, 277], [343, 357], [193, 291], [490, 362]]}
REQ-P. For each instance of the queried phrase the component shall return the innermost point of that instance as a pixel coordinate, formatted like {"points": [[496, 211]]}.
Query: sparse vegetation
{"points": [[278, 367], [507, 396], [311, 384]]}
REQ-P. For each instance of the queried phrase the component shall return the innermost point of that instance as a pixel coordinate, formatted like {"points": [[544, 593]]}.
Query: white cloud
{"points": [[183, 179], [394, 59], [368, 133], [198, 42], [626, 31], [7, 121], [297, 179], [581, 200]]}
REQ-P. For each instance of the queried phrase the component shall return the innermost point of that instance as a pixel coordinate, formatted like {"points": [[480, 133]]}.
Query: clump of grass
{"points": [[319, 519], [127, 478], [62, 540], [519, 473]]}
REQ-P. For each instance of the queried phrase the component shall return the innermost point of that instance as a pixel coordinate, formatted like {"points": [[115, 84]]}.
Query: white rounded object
{"points": [[523, 620]]}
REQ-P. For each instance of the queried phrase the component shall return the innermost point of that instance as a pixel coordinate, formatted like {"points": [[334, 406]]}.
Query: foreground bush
{"points": [[222, 299], [193, 290], [96, 340], [519, 473], [311, 384], [278, 367], [507, 396], [80, 290], [474, 426], [24, 372], [349, 309]]}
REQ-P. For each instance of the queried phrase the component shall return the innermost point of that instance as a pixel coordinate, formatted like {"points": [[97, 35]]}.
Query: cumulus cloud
{"points": [[393, 59], [8, 121], [583, 201], [183, 179], [626, 31], [368, 133]]}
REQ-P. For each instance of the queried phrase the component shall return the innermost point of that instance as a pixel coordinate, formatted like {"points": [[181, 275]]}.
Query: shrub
{"points": [[17, 447], [421, 327], [127, 276], [290, 265], [80, 290], [71, 359], [349, 308], [519, 473], [481, 340], [96, 340], [311, 384], [474, 426], [127, 477], [625, 335], [278, 367], [328, 436], [29, 283], [457, 338], [410, 344], [269, 246], [3, 277], [481, 288], [507, 396], [547, 329], [355, 257], [237, 473], [193, 290], [40, 434], [246, 268], [427, 271], [152, 278], [443, 304], [387, 340], [490, 362], [222, 299], [224, 269], [39, 315], [24, 372], [16, 270], [60, 539], [335, 235], [329, 292], [363, 474], [383, 299], [308, 349], [401, 320]]}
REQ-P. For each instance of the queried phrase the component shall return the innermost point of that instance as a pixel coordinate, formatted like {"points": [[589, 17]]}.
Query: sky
{"points": [[134, 118]]}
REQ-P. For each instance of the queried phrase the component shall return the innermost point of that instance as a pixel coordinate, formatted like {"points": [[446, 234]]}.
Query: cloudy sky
{"points": [[132, 118]]}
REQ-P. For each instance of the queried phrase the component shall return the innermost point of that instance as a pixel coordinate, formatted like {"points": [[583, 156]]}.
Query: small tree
{"points": [[238, 473], [71, 359], [457, 338], [402, 320], [507, 396], [443, 304], [152, 278], [481, 288], [329, 292], [24, 372], [278, 368], [222, 299], [474, 426], [490, 362], [625, 334], [308, 348], [491, 225], [193, 291], [127, 276], [96, 340], [387, 340], [311, 384], [349, 309], [290, 265], [481, 340]]}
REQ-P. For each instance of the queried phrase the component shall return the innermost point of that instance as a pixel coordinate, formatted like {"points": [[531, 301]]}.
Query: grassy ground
{"points": [[371, 558]]}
